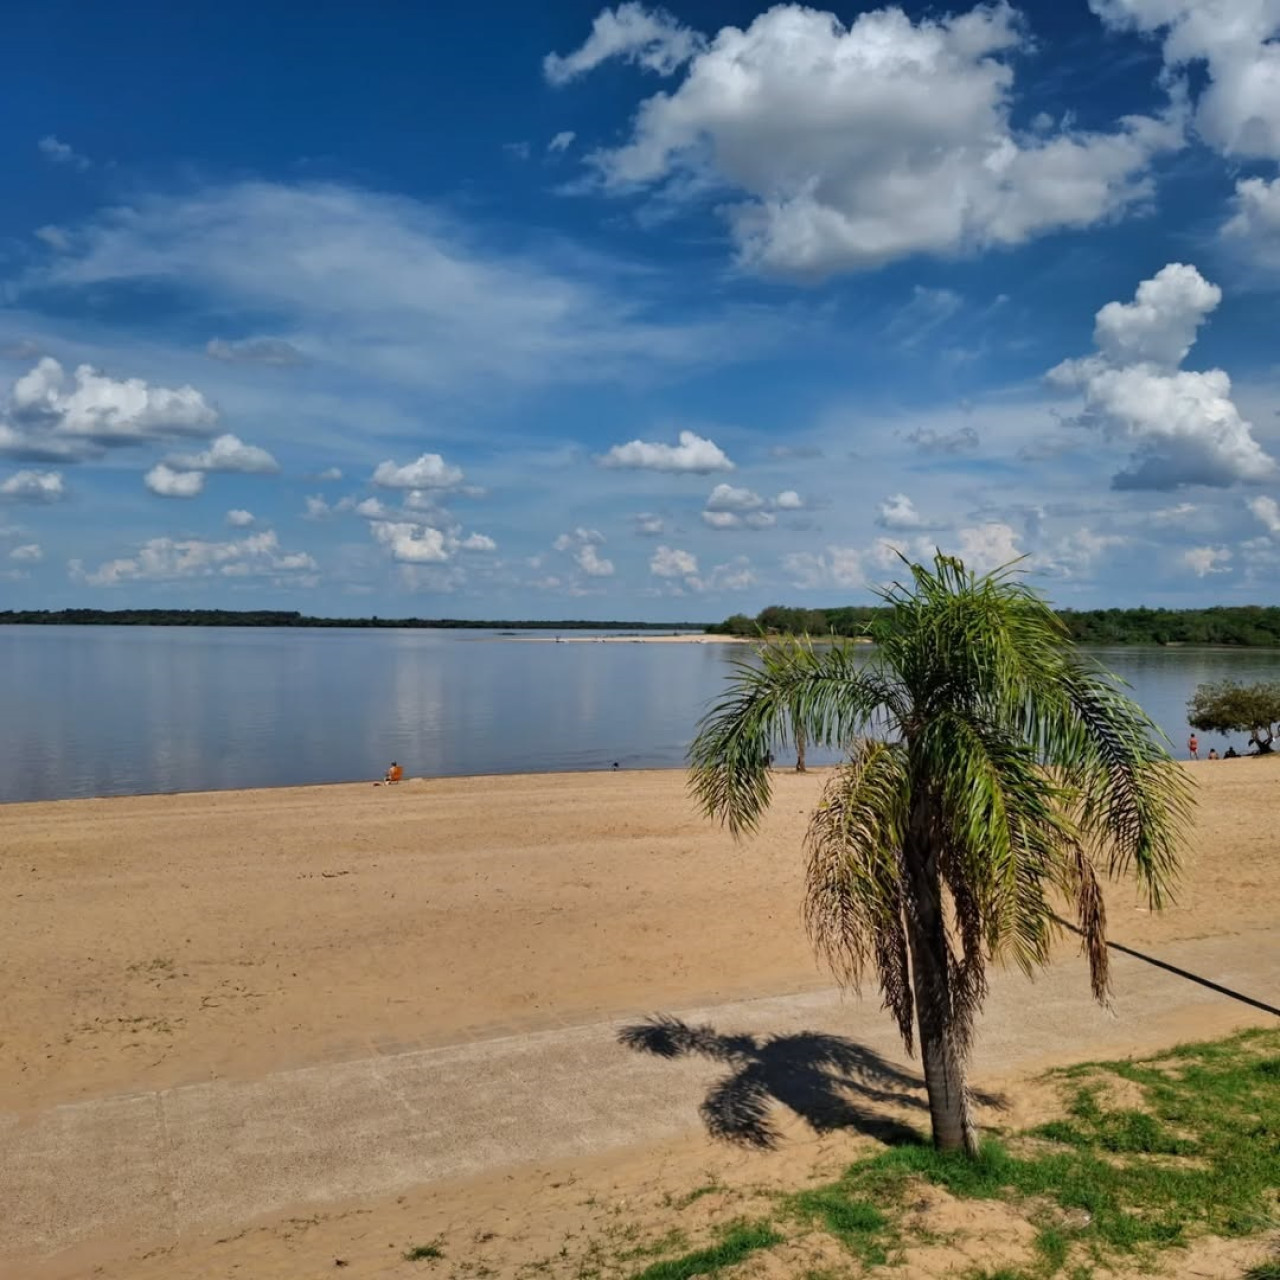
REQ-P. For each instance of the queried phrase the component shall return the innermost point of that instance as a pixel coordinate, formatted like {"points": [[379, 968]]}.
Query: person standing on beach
{"points": [[1193, 746]]}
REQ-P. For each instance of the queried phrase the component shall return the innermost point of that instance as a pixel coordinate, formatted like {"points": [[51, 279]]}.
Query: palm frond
{"points": [[1080, 884], [829, 692], [854, 899], [1134, 800]]}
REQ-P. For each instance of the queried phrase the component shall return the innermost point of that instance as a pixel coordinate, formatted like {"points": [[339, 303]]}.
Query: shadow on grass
{"points": [[829, 1082]]}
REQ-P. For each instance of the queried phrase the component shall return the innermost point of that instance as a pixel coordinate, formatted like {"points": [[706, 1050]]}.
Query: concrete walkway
{"points": [[161, 1164]]}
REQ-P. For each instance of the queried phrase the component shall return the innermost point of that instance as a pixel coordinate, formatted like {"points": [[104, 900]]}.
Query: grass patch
{"points": [[1204, 1156], [857, 1223], [738, 1242], [669, 1243], [424, 1252], [1199, 1154], [692, 1197]]}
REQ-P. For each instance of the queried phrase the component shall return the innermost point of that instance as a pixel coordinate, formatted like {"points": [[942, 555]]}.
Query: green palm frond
{"points": [[1007, 770], [826, 691]]}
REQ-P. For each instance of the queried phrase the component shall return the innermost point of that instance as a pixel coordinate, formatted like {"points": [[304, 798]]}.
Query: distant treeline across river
{"points": [[1242, 626], [287, 618], [1239, 626]]}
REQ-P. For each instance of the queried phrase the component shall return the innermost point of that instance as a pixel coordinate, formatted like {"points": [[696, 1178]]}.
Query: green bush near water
{"points": [[1238, 626]]}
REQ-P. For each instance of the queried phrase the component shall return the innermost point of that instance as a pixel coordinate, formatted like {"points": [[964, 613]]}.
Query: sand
{"points": [[637, 638], [164, 941]]}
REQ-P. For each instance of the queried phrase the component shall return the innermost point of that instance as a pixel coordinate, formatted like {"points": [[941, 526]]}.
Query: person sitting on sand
{"points": [[1213, 753], [1231, 754], [393, 774]]}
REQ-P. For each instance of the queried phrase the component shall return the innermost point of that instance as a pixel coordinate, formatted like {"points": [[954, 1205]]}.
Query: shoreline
{"points": [[360, 785], [357, 786], [569, 638]]}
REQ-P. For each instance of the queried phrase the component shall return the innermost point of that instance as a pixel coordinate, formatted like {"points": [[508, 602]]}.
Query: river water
{"points": [[125, 710]]}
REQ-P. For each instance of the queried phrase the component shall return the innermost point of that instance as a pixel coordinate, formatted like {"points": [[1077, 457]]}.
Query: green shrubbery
{"points": [[1246, 626]]}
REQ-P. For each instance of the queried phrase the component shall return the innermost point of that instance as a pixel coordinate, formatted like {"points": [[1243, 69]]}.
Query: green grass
{"points": [[423, 1252], [861, 1227], [1203, 1157], [1199, 1155], [738, 1242], [691, 1197]]}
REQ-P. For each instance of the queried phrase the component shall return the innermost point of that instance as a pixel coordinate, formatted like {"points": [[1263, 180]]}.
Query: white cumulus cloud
{"points": [[1183, 425], [731, 507], [1268, 511], [650, 38], [228, 453], [671, 562], [739, 520], [411, 543], [1203, 561], [591, 563], [583, 543], [27, 553], [57, 417], [1160, 325], [854, 145], [578, 537], [1235, 42], [430, 471], [725, 497], [238, 518], [165, 482], [987, 546], [33, 486], [1254, 226], [562, 141], [170, 559], [648, 525], [692, 454], [899, 512]]}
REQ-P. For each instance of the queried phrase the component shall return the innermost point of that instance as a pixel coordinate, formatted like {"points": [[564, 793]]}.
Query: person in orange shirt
{"points": [[394, 774]]}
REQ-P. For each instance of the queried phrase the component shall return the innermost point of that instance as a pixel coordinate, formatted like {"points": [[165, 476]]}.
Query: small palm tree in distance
{"points": [[992, 771]]}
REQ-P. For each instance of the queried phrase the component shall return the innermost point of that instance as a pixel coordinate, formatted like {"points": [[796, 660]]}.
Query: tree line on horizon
{"points": [[290, 618], [1243, 626]]}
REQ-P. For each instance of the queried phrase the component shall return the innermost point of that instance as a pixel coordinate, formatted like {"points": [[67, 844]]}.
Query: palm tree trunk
{"points": [[940, 1043], [800, 749]]}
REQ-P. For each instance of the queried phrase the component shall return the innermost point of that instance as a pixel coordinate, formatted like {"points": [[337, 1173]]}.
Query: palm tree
{"points": [[991, 767]]}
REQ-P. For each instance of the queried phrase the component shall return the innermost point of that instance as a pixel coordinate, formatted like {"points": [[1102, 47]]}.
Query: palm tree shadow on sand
{"points": [[829, 1082]]}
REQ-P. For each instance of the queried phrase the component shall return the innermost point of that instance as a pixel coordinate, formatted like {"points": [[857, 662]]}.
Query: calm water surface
{"points": [[123, 710]]}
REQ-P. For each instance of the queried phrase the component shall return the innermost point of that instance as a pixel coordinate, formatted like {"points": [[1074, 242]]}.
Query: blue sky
{"points": [[556, 311]]}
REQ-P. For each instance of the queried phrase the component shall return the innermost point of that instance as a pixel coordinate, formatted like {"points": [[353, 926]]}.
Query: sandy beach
{"points": [[640, 637], [170, 942]]}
